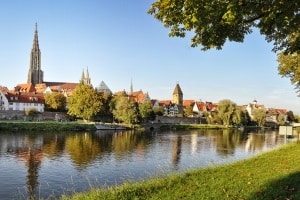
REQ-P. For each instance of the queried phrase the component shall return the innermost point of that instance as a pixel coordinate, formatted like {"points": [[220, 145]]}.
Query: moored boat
{"points": [[102, 126]]}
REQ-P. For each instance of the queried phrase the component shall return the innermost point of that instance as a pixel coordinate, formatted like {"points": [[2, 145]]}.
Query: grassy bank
{"points": [[272, 175], [45, 126]]}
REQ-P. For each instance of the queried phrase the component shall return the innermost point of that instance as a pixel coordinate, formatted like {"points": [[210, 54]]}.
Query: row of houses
{"points": [[26, 96]]}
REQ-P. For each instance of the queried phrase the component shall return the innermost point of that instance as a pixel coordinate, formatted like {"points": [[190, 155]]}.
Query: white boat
{"points": [[102, 126]]}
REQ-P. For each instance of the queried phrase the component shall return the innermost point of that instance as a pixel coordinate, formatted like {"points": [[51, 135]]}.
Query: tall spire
{"points": [[85, 78], [131, 87], [35, 74]]}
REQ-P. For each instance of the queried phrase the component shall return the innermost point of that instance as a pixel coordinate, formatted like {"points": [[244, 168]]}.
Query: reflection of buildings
{"points": [[30, 151], [258, 141], [176, 150], [33, 158], [194, 143]]}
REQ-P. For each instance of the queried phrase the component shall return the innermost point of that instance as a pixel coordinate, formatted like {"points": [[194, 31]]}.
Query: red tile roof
{"points": [[25, 98]]}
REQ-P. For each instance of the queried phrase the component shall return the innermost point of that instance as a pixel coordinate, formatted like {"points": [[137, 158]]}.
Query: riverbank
{"points": [[271, 175], [45, 126], [18, 125]]}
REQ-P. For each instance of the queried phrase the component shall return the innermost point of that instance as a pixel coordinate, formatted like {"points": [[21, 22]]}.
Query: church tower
{"points": [[85, 77], [35, 73], [178, 98]]}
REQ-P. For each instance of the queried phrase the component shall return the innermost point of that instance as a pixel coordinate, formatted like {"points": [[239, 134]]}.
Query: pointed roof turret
{"points": [[177, 90]]}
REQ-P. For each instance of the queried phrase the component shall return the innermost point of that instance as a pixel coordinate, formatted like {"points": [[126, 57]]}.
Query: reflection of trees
{"points": [[255, 141], [82, 148], [54, 144], [127, 141], [227, 141]]}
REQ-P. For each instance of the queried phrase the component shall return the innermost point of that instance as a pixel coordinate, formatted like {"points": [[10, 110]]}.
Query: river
{"points": [[46, 165]]}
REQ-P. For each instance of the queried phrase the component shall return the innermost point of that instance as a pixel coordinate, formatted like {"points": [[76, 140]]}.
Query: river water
{"points": [[45, 165]]}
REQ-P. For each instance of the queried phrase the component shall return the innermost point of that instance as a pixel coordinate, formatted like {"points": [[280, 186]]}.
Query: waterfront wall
{"points": [[179, 120], [20, 115]]}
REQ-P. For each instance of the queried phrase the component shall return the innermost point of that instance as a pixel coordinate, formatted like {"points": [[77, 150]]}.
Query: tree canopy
{"points": [[259, 115], [55, 101], [85, 102], [226, 111], [126, 110], [215, 22], [289, 67]]}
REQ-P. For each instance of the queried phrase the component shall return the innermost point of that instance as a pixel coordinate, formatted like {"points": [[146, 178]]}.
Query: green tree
{"points": [[126, 110], [55, 102], [31, 113], [85, 102], [146, 111], [188, 111], [226, 110], [289, 65], [290, 116], [240, 117], [215, 22], [159, 111], [237, 116], [213, 118], [259, 116], [105, 112], [281, 119], [245, 118], [297, 118]]}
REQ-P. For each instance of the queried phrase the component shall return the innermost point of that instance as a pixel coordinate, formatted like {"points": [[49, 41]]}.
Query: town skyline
{"points": [[137, 48]]}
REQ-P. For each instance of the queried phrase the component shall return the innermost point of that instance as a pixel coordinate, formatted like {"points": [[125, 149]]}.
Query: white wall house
{"points": [[23, 102], [3, 101]]}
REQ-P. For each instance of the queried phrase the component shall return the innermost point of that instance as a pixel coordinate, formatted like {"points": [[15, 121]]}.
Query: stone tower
{"points": [[178, 98], [35, 73]]}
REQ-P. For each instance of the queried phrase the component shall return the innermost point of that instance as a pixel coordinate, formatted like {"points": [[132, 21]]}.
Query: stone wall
{"points": [[20, 115], [179, 120]]}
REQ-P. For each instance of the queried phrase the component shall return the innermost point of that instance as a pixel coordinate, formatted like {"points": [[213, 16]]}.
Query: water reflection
{"points": [[52, 158], [176, 150]]}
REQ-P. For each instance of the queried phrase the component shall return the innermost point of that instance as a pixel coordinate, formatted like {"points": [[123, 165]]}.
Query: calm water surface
{"points": [[43, 165]]}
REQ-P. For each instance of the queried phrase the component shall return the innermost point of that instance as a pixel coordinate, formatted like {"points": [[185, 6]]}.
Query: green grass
{"points": [[271, 175], [45, 126]]}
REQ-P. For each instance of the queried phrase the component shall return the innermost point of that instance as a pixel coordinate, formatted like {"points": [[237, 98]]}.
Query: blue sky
{"points": [[118, 41]]}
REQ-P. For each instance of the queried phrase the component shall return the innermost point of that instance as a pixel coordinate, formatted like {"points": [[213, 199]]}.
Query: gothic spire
{"points": [[35, 73], [87, 75], [131, 87], [35, 45]]}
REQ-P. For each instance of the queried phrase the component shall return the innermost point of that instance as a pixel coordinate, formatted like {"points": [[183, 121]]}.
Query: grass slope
{"points": [[271, 175]]}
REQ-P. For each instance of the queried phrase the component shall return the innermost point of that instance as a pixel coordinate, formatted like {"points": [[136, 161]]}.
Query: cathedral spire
{"points": [[85, 78], [35, 73], [131, 87]]}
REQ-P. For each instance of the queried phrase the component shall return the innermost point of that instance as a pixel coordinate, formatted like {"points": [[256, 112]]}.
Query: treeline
{"points": [[89, 104]]}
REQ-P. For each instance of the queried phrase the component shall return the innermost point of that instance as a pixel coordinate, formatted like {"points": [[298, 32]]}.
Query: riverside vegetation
{"points": [[271, 175]]}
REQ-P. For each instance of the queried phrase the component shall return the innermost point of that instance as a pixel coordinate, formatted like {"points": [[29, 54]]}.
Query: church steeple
{"points": [[35, 73], [178, 98], [85, 78]]}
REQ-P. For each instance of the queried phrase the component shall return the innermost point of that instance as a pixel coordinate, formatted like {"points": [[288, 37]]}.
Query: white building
{"points": [[22, 102]]}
